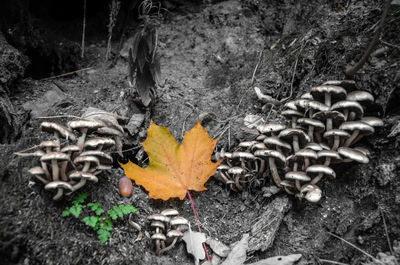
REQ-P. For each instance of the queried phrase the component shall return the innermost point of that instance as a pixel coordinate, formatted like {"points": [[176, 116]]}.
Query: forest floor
{"points": [[212, 56]]}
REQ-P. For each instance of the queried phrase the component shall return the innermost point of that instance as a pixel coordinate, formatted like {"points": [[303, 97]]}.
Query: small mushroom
{"points": [[337, 135], [175, 235], [296, 135], [57, 130], [85, 127], [60, 186], [297, 176], [353, 155], [88, 161], [98, 143], [270, 129], [179, 223], [237, 173], [320, 171], [37, 171], [328, 93], [358, 128], [273, 157], [158, 238], [313, 126], [347, 107], [313, 193], [83, 177]]}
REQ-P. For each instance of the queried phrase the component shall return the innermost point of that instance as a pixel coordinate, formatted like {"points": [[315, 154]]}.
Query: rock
{"points": [[47, 104], [264, 230]]}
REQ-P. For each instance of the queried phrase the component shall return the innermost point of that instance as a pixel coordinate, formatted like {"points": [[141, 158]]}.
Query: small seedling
{"points": [[101, 222]]}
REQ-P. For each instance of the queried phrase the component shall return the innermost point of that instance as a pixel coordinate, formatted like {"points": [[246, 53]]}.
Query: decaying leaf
{"points": [[238, 254], [218, 247], [110, 122], [279, 260], [174, 169], [194, 244]]}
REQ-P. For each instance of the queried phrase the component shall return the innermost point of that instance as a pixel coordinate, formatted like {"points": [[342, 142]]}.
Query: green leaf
{"points": [[107, 225], [80, 198], [76, 210], [99, 211], [118, 211], [66, 212], [91, 221], [103, 235], [112, 214], [127, 209]]}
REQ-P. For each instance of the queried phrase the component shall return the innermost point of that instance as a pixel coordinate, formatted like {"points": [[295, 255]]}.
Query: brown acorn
{"points": [[125, 187]]}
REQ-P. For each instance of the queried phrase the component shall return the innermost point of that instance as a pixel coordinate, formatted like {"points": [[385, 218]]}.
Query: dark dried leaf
{"points": [[144, 83]]}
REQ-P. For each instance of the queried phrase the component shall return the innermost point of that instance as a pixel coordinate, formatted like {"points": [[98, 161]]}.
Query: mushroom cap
{"points": [[343, 83], [179, 220], [351, 106], [313, 146], [353, 154], [38, 153], [279, 157], [364, 128], [158, 217], [103, 157], [310, 104], [36, 171], [52, 127], [274, 141], [109, 131], [270, 128], [336, 116], [95, 142], [54, 156], [290, 105], [372, 121], [363, 150], [316, 169], [336, 133], [58, 185], [261, 137], [307, 153], [289, 114], [247, 144], [83, 159], [77, 175], [51, 144], [258, 146], [245, 155], [337, 93], [360, 96], [290, 132], [70, 148], [318, 125], [307, 95], [157, 224], [313, 192], [236, 170], [297, 175], [223, 167], [174, 233], [333, 155], [287, 183], [324, 146], [158, 236], [82, 124], [169, 212]]}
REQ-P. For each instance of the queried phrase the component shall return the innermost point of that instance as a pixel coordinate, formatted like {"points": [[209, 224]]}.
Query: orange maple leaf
{"points": [[174, 169]]}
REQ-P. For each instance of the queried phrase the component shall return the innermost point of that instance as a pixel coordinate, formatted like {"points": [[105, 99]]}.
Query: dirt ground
{"points": [[212, 55]]}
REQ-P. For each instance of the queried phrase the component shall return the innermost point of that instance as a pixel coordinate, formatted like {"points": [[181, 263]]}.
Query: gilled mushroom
{"points": [[87, 162], [353, 155], [297, 176], [60, 186], [331, 117], [313, 126], [319, 171], [358, 128], [335, 136], [98, 143], [270, 129], [328, 93], [57, 130], [54, 158], [312, 193], [237, 173], [243, 157], [174, 235], [221, 169], [296, 135], [83, 177], [69, 150], [361, 97], [37, 172], [292, 115], [347, 107], [274, 157], [347, 84], [85, 127], [116, 134], [179, 223], [158, 238]]}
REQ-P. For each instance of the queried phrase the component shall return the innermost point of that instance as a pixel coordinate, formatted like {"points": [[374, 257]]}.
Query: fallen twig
{"points": [[66, 74]]}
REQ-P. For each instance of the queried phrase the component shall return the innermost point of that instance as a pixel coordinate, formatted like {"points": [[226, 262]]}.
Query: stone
{"points": [[135, 122]]}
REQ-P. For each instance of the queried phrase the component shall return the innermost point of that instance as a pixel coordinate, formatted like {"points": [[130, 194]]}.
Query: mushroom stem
{"points": [[346, 114], [329, 124], [327, 99], [237, 178], [55, 170], [159, 252], [311, 133], [274, 172], [296, 143], [351, 139], [262, 166], [80, 184], [336, 143], [58, 195], [82, 138], [44, 181]]}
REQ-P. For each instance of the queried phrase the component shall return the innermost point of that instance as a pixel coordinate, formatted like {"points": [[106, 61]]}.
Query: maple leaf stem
{"points": [[197, 220]]}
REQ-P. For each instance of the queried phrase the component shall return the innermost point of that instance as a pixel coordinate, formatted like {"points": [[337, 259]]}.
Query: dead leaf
{"points": [[194, 244], [238, 254], [279, 260], [174, 169], [218, 247]]}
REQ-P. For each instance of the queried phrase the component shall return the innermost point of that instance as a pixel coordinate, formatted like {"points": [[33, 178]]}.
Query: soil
{"points": [[212, 56]]}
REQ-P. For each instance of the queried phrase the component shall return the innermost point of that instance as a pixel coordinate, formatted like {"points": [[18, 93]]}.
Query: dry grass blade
{"points": [[359, 249]]}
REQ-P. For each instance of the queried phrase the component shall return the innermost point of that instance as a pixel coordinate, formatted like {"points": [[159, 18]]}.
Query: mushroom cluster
{"points": [[69, 166], [168, 228], [323, 125]]}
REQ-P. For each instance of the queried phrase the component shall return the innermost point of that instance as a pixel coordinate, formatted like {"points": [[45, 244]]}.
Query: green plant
{"points": [[101, 222]]}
